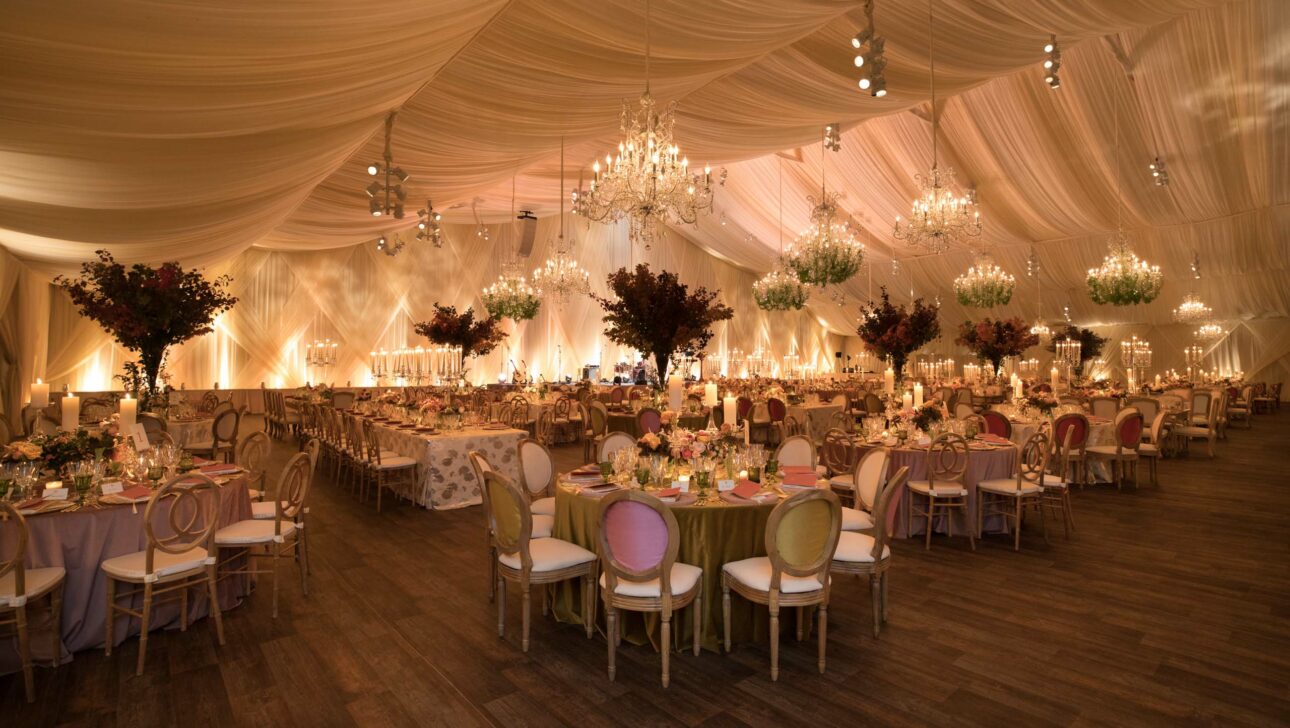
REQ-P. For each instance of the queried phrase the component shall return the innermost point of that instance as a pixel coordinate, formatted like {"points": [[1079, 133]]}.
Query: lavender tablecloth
{"points": [[982, 465], [79, 541]]}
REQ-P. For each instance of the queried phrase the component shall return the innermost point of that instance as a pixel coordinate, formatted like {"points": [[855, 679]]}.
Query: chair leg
{"points": [[56, 631], [215, 612], [501, 606], [801, 629], [183, 610], [143, 633], [611, 624], [589, 604], [884, 596], [526, 605], [725, 611], [111, 617], [697, 608], [24, 654], [1016, 525], [824, 633], [931, 509], [774, 643], [277, 551], [665, 646], [875, 593]]}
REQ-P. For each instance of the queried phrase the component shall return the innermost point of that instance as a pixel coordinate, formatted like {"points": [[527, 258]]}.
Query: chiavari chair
{"points": [[869, 554], [801, 539], [1009, 497], [944, 492], [21, 588], [1123, 454]]}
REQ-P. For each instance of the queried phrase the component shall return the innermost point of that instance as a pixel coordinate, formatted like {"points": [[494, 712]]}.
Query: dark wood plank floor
{"points": [[1171, 605]]}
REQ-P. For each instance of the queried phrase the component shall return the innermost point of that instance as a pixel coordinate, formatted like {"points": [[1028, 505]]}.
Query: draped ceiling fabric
{"points": [[236, 134]]}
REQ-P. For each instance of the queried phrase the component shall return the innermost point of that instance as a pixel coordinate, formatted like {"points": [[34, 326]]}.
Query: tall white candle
{"points": [[728, 409], [40, 394], [674, 393], [71, 412], [1056, 379], [710, 395], [1016, 389], [129, 409], [907, 400], [889, 381], [918, 394]]}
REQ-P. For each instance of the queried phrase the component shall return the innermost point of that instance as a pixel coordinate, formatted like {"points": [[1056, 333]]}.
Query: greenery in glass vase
{"points": [[146, 309], [1090, 344], [134, 380], [449, 328], [996, 340], [894, 331], [657, 315]]}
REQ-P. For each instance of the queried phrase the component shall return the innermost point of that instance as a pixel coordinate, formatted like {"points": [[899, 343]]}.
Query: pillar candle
{"points": [[1157, 381], [129, 409], [907, 400], [40, 394], [918, 394], [728, 409], [710, 395], [1055, 378], [674, 394], [71, 412], [889, 381], [1016, 389]]}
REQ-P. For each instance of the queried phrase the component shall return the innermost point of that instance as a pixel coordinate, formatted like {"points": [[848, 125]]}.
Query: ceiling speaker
{"points": [[528, 231]]}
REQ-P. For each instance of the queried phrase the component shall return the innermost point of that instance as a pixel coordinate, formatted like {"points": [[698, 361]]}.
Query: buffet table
{"points": [[445, 477], [79, 541]]}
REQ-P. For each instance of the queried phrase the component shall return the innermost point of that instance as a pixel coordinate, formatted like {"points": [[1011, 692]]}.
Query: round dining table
{"points": [[712, 533]]}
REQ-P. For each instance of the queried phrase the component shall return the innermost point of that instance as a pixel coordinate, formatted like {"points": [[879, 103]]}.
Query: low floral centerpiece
{"points": [[1041, 401]]}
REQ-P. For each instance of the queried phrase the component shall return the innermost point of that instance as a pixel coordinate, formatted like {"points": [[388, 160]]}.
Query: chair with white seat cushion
{"points": [[183, 559], [943, 492], [639, 540], [1055, 493], [223, 438], [801, 537], [1105, 407], [529, 561], [542, 525], [1123, 454], [866, 484], [796, 452], [1009, 497], [537, 474], [252, 454], [281, 536], [384, 467], [1203, 422], [1151, 451], [21, 587], [612, 443], [869, 554]]}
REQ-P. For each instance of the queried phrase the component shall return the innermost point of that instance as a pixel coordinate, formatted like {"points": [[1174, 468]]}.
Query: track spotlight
{"points": [[833, 137], [386, 190], [870, 56], [1052, 63], [429, 227], [1159, 173]]}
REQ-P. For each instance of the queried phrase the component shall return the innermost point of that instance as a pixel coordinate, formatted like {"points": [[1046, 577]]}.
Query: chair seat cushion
{"points": [[1007, 486], [843, 482], [856, 520], [550, 554], [133, 567], [755, 572], [251, 531], [1148, 449], [684, 577], [543, 507], [36, 583], [1196, 431], [394, 463], [542, 526], [857, 548], [944, 489], [1109, 451], [262, 510]]}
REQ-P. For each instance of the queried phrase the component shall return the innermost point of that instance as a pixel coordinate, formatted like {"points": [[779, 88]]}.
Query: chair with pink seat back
{"points": [[997, 424], [649, 420], [1123, 453], [639, 541]]}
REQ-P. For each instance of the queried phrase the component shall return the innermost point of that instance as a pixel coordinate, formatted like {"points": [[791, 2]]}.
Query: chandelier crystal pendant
{"points": [[561, 277], [779, 290], [648, 181], [985, 284], [938, 216]]}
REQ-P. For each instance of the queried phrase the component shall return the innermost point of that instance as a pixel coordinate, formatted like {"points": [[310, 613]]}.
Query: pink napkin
{"points": [[587, 470], [135, 493], [31, 503], [746, 489], [218, 469], [786, 469], [669, 493], [996, 439], [800, 479]]}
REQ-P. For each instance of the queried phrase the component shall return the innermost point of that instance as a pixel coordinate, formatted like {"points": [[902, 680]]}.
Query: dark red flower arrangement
{"points": [[891, 331], [996, 340], [449, 328]]}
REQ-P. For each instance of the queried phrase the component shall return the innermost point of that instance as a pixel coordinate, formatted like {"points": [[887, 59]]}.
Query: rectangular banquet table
{"points": [[445, 477], [81, 540]]}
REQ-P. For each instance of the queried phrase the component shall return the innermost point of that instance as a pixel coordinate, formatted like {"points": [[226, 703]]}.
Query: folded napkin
{"points": [[598, 489], [786, 469], [587, 470], [201, 461], [219, 469], [996, 439], [746, 489], [138, 491], [800, 479], [30, 503], [669, 493]]}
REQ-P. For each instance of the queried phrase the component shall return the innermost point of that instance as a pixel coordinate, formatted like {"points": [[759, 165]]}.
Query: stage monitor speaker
{"points": [[528, 231]]}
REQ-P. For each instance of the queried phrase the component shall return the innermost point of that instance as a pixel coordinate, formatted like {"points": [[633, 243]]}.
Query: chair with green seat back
{"points": [[801, 537]]}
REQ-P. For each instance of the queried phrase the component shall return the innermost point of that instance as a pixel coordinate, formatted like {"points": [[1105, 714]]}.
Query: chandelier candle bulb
{"points": [[40, 394], [71, 412], [129, 409]]}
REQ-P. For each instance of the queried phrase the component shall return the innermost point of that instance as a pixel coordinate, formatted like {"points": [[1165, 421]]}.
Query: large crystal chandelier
{"points": [[779, 290], [1039, 328], [561, 277], [1192, 310], [648, 181], [984, 285], [511, 296], [1209, 332], [938, 216], [826, 252]]}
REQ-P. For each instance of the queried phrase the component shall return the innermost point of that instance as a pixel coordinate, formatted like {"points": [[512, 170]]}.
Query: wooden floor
{"points": [[1171, 605]]}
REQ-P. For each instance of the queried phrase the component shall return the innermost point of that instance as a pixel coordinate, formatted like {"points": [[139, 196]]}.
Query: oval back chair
{"points": [[997, 424], [649, 420], [612, 443], [796, 451]]}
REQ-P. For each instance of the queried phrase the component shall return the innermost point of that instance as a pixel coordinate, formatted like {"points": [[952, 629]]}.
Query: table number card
{"points": [[108, 487], [55, 494], [725, 485], [139, 437]]}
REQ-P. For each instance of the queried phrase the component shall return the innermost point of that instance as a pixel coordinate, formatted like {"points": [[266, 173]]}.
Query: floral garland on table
{"points": [[61, 449], [654, 443], [430, 406], [924, 417], [1042, 402]]}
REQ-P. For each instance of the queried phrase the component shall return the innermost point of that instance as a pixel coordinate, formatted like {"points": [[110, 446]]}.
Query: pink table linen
{"points": [[982, 465]]}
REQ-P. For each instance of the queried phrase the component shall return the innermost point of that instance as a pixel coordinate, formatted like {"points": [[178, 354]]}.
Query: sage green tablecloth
{"points": [[711, 535]]}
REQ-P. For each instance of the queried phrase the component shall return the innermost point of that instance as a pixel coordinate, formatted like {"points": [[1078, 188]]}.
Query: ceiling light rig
{"points": [[429, 225], [388, 246], [1052, 63], [1193, 310], [833, 137], [938, 217], [648, 181], [870, 55], [1159, 174], [386, 192]]}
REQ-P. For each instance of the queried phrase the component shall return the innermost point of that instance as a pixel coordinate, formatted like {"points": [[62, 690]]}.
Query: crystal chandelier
{"points": [[511, 296], [387, 197], [561, 277], [937, 216], [1039, 328], [826, 252], [779, 290], [1123, 279], [984, 285], [648, 181], [1209, 332], [1192, 310]]}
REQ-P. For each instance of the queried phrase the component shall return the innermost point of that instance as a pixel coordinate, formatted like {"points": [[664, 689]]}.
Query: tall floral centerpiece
{"points": [[146, 309], [894, 331], [473, 337], [996, 340], [1090, 348], [657, 315]]}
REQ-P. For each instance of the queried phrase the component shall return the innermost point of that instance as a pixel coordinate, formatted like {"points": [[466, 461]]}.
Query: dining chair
{"points": [[1127, 431], [1148, 406], [208, 402], [281, 536], [1073, 461], [598, 417], [1241, 408], [801, 538], [616, 395], [21, 588], [946, 461], [869, 554], [866, 484], [839, 454], [481, 467], [639, 540], [537, 475], [1153, 448], [1203, 420], [342, 400], [544, 426], [1105, 407], [223, 440], [530, 561], [963, 410], [182, 559], [612, 443], [95, 410], [796, 451], [996, 423], [776, 410], [873, 404], [791, 427], [252, 455], [649, 419], [381, 465], [1009, 497]]}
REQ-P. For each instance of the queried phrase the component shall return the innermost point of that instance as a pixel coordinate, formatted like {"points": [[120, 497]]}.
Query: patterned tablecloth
{"points": [[187, 433], [445, 478]]}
